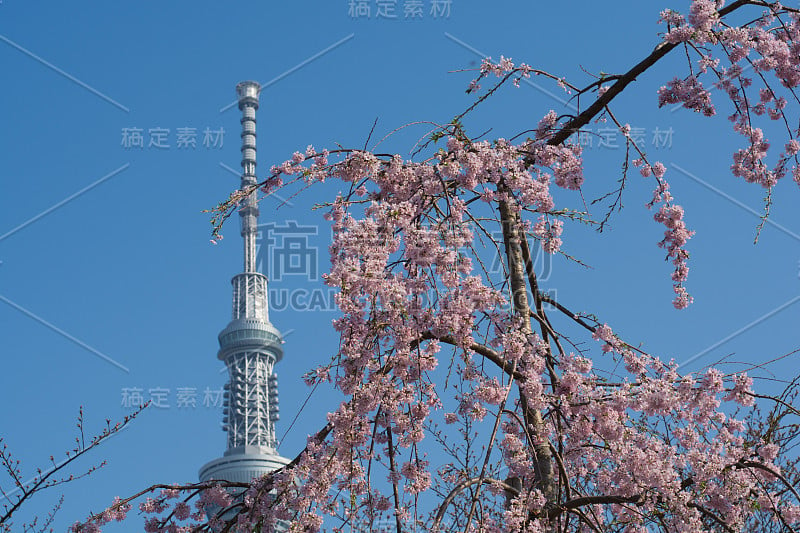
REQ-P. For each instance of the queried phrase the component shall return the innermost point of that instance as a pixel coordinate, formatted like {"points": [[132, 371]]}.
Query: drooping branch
{"points": [[461, 487], [761, 466], [707, 513], [547, 299], [479, 349], [583, 501], [622, 81]]}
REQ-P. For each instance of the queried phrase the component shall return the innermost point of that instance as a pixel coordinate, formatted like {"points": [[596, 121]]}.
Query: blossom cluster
{"points": [[769, 45]]}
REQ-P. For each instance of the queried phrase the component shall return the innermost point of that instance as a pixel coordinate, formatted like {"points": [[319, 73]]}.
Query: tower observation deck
{"points": [[250, 345]]}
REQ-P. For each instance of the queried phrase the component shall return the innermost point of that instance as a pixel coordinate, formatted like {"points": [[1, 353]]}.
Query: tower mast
{"points": [[248, 92], [250, 345]]}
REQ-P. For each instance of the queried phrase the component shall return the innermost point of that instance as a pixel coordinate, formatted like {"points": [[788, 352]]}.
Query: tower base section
{"points": [[242, 467]]}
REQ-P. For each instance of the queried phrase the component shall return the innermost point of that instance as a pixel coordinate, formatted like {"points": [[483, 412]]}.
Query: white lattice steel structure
{"points": [[250, 345]]}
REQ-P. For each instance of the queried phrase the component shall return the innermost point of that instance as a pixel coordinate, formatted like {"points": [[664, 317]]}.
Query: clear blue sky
{"points": [[126, 268]]}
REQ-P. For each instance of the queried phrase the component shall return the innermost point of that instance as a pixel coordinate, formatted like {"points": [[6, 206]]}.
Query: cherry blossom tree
{"points": [[471, 403]]}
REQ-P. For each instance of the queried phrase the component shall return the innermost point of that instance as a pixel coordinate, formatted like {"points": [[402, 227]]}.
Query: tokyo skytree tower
{"points": [[250, 345]]}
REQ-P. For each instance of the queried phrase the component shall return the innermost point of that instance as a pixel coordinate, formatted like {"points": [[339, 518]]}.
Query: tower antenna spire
{"points": [[248, 92]]}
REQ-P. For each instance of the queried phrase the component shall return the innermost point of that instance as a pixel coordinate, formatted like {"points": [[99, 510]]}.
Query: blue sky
{"points": [[108, 281]]}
